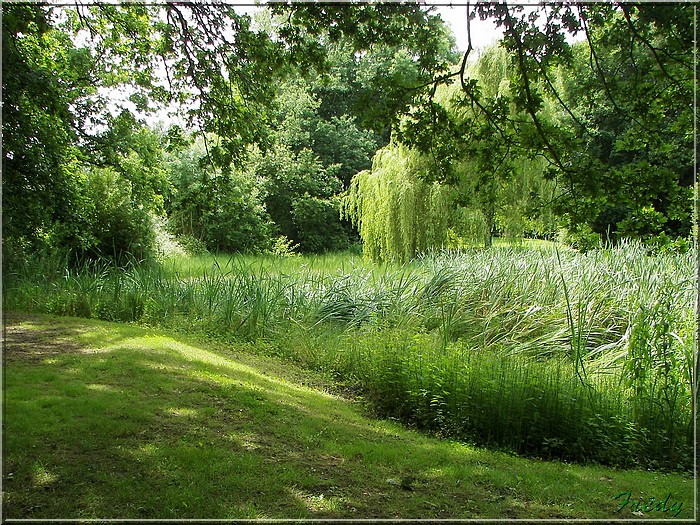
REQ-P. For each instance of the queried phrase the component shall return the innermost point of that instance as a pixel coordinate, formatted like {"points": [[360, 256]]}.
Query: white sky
{"points": [[484, 32]]}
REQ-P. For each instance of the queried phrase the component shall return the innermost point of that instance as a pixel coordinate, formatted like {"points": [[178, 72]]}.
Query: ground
{"points": [[114, 421]]}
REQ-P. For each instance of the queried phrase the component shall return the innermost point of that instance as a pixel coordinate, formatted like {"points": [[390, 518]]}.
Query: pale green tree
{"points": [[398, 213]]}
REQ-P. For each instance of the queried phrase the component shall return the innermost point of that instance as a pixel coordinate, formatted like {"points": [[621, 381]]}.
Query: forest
{"points": [[492, 246]]}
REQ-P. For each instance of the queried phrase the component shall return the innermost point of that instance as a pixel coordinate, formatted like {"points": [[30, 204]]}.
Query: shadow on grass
{"points": [[108, 421]]}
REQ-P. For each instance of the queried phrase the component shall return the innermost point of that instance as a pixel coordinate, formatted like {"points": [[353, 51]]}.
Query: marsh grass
{"points": [[545, 352]]}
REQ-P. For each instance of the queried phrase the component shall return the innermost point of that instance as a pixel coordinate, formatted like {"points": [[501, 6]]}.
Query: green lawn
{"points": [[104, 420]]}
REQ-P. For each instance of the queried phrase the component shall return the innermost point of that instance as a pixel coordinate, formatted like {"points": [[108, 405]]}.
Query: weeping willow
{"points": [[396, 211], [399, 214]]}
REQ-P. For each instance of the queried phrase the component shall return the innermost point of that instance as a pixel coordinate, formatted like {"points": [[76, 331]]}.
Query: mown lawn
{"points": [[104, 420]]}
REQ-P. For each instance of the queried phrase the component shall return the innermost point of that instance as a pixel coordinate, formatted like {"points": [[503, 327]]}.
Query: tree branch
{"points": [[626, 12], [530, 106]]}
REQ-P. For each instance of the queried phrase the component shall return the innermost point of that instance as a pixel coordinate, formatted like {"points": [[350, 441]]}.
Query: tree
{"points": [[136, 153], [337, 140], [43, 77], [114, 225], [397, 212], [629, 88], [222, 209], [494, 178], [55, 60], [232, 77], [313, 149], [294, 186], [619, 140], [379, 56], [52, 111], [611, 117]]}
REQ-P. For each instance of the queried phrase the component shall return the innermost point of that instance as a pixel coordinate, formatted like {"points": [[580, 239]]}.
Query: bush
{"points": [[318, 226], [581, 238], [283, 247], [121, 227], [192, 245], [222, 210], [299, 196], [106, 221]]}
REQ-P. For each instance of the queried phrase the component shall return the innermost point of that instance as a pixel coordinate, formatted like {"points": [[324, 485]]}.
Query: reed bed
{"points": [[544, 352]]}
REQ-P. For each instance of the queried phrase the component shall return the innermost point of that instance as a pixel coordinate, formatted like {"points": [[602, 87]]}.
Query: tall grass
{"points": [[584, 357]]}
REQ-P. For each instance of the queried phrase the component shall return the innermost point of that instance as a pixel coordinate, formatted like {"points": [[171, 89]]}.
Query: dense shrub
{"points": [[317, 225], [222, 209], [106, 222], [299, 194]]}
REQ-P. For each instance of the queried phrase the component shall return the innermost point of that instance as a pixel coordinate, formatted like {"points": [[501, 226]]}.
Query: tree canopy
{"points": [[61, 65], [611, 114], [289, 105]]}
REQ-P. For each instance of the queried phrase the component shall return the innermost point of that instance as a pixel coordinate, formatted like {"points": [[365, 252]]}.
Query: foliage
{"points": [[397, 213], [393, 49], [635, 128], [317, 224], [43, 76], [283, 247], [298, 194], [314, 160], [49, 95], [136, 152], [599, 119], [193, 246], [50, 105], [61, 65], [491, 187], [603, 115], [223, 209], [501, 188], [120, 226], [339, 141], [620, 145], [215, 57]]}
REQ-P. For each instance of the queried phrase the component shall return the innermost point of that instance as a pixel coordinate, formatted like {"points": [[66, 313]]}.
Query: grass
{"points": [[107, 420], [548, 353]]}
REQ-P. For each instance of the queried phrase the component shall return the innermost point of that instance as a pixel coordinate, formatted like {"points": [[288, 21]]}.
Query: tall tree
{"points": [[629, 90], [611, 116], [621, 143], [397, 211], [380, 56], [223, 209], [44, 77], [57, 63]]}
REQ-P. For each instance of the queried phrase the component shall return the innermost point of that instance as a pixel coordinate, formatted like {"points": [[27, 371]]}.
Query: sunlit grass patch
{"points": [[41, 476]]}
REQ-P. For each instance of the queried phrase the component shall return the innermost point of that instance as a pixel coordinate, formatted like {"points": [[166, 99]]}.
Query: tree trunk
{"points": [[489, 218]]}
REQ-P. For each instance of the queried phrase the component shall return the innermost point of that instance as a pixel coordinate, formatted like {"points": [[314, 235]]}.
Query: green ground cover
{"points": [[544, 352], [106, 420]]}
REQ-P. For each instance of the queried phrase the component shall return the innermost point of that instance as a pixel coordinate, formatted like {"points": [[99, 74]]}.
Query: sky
{"points": [[484, 32]]}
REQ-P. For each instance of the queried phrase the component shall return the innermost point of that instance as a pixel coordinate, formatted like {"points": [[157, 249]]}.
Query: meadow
{"points": [[539, 351]]}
